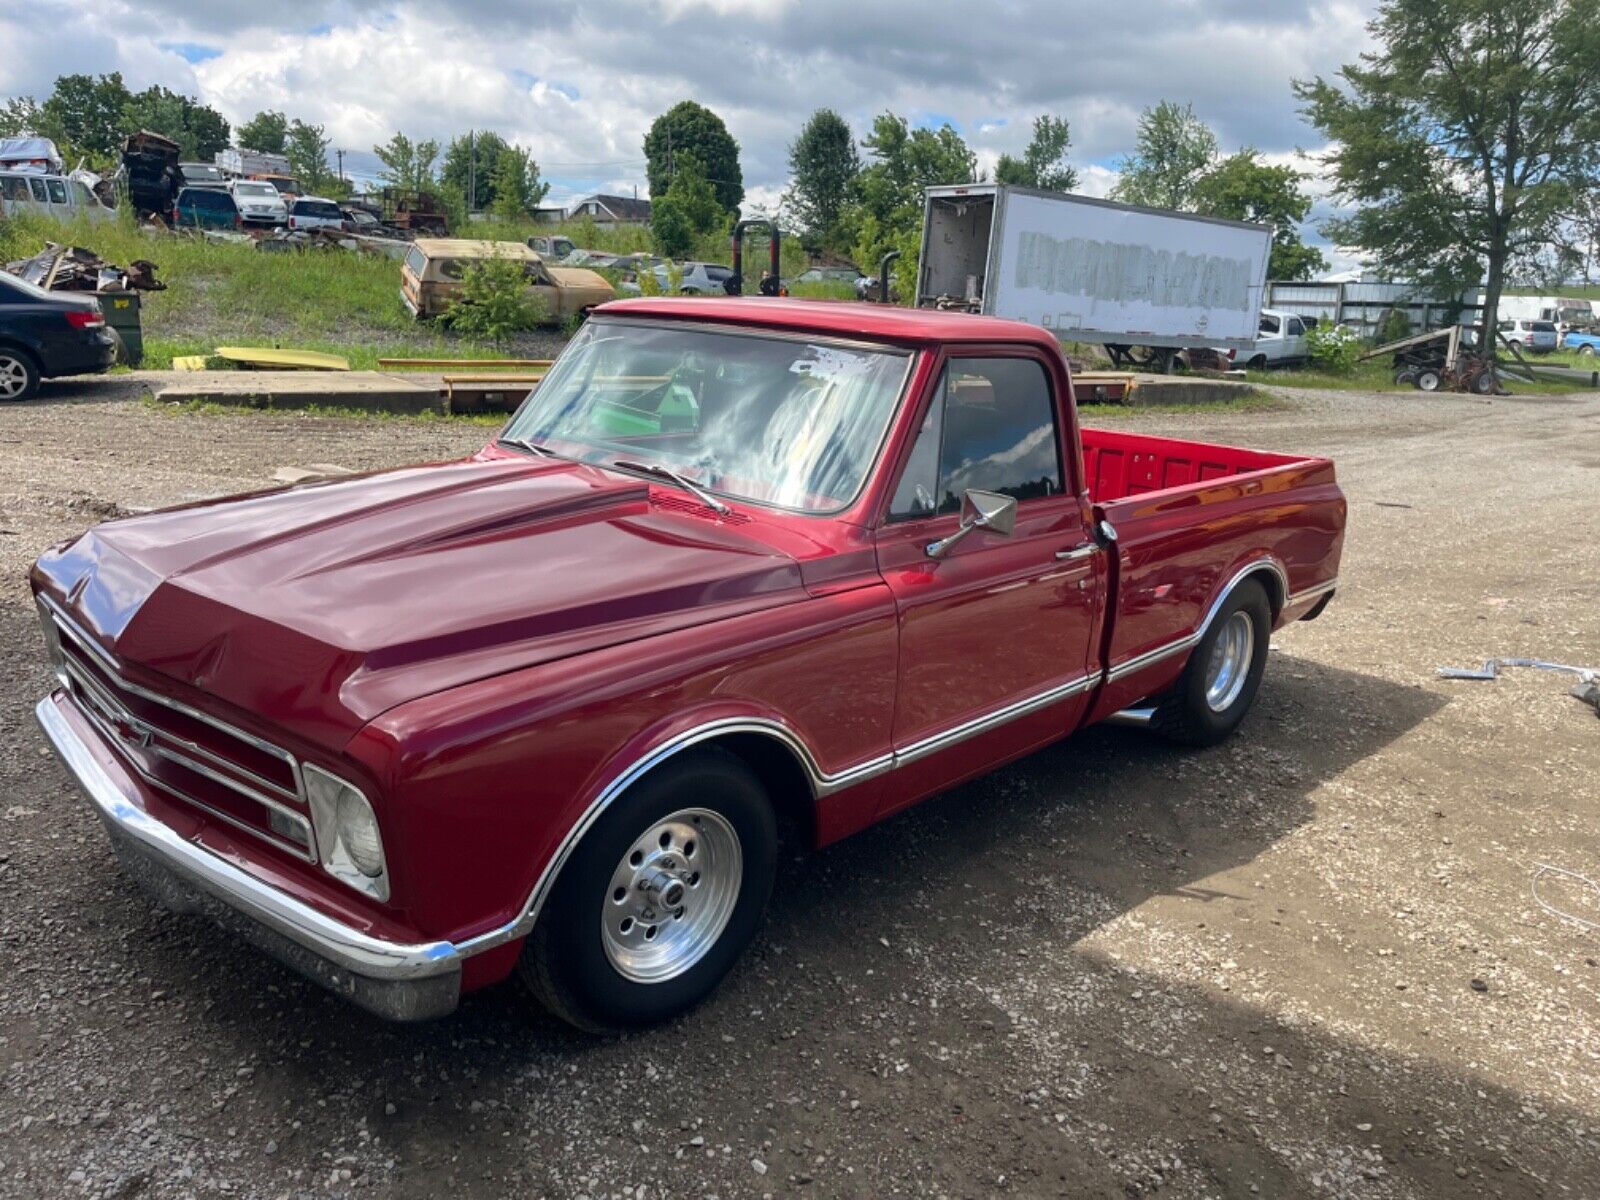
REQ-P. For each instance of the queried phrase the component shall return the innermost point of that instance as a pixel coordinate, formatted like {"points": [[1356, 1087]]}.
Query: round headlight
{"points": [[358, 832]]}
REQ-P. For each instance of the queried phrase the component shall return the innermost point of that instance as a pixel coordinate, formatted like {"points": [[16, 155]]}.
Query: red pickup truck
{"points": [[736, 566]]}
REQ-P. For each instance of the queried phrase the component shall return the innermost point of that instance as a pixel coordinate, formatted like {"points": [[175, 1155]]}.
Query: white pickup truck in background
{"points": [[1281, 342]]}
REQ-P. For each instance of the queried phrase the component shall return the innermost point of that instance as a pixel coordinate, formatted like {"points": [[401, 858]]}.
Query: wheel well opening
{"points": [[786, 783], [1272, 583]]}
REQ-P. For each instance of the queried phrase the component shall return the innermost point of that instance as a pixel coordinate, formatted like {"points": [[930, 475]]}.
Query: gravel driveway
{"points": [[1305, 963]]}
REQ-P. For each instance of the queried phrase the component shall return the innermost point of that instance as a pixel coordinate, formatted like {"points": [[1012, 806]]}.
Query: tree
{"points": [[1044, 163], [1243, 188], [823, 165], [88, 112], [20, 115], [691, 127], [886, 213], [1466, 138], [471, 161], [688, 209], [1174, 149], [307, 149], [407, 165], [516, 184], [199, 129], [267, 132]]}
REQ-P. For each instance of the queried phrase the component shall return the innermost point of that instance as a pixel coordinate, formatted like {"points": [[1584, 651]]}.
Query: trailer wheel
{"points": [[1222, 676], [1429, 379]]}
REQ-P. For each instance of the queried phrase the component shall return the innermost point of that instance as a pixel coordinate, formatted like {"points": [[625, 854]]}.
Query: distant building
{"points": [[550, 212], [611, 210]]}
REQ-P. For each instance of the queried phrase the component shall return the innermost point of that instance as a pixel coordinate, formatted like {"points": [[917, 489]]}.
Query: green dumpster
{"points": [[121, 310]]}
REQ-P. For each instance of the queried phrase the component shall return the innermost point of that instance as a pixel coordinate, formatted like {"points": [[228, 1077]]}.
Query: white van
{"points": [[53, 195]]}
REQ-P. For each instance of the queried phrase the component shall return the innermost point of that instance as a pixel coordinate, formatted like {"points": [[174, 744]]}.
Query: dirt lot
{"points": [[1305, 963]]}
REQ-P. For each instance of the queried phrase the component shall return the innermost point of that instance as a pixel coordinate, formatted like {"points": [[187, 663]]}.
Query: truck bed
{"points": [[1190, 517]]}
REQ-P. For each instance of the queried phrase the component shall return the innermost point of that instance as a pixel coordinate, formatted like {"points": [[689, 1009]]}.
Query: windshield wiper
{"points": [[525, 444], [687, 484]]}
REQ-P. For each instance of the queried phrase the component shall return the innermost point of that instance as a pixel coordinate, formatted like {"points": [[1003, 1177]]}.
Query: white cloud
{"points": [[580, 82]]}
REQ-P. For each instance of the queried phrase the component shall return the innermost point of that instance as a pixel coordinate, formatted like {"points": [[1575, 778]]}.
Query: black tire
{"points": [[1428, 380], [1483, 383], [1406, 377], [19, 375], [1185, 715], [565, 962], [1258, 363], [1585, 351]]}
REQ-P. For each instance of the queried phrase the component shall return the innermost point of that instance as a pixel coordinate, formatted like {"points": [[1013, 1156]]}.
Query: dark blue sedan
{"points": [[47, 334]]}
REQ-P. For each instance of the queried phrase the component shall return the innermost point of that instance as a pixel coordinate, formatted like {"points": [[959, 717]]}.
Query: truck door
{"points": [[994, 633], [1295, 347]]}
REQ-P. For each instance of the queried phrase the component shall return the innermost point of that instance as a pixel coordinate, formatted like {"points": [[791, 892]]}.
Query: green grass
{"points": [[1378, 376]]}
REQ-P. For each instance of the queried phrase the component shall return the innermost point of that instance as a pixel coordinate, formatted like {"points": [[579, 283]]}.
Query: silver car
{"points": [[259, 203]]}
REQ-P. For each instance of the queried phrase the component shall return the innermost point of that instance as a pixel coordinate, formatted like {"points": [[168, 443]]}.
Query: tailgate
{"points": [[1191, 518]]}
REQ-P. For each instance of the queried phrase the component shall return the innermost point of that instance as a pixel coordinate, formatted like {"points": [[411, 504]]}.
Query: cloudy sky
{"points": [[580, 82]]}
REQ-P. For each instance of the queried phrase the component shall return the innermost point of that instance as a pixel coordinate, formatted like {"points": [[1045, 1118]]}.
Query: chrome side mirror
{"points": [[979, 510]]}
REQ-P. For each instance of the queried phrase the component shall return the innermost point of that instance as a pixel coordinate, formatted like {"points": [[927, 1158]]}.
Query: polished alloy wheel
{"points": [[13, 377], [671, 895], [1230, 661]]}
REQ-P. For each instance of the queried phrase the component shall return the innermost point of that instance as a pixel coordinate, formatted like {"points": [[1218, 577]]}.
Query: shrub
{"points": [[494, 301], [1334, 348], [1396, 325]]}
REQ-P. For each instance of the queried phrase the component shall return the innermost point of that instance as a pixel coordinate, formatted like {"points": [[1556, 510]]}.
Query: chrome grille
{"points": [[234, 776]]}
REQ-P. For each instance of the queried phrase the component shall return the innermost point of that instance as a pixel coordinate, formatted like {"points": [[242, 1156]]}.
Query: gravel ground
{"points": [[1304, 963]]}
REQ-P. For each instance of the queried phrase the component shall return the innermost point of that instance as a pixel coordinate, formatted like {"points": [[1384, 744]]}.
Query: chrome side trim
{"points": [[1150, 658], [969, 729], [345, 947], [1311, 593], [822, 784]]}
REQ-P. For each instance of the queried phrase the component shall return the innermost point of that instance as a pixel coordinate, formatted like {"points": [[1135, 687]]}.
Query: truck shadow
{"points": [[929, 969]]}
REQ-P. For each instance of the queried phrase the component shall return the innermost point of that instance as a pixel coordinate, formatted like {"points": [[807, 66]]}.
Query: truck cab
{"points": [[1281, 341]]}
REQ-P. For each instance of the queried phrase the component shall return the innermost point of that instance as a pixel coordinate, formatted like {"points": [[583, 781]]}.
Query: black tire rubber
{"points": [[1183, 714], [1429, 380], [1258, 363], [564, 962], [31, 374], [1586, 351]]}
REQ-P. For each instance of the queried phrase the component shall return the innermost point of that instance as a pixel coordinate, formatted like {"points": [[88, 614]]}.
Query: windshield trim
{"points": [[908, 353]]}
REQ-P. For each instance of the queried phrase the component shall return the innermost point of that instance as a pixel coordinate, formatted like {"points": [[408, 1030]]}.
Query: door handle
{"points": [[1077, 552]]}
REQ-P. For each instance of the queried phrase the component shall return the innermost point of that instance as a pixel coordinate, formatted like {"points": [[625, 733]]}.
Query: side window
{"points": [[1269, 324], [58, 189], [919, 484], [39, 196], [992, 427], [13, 187], [1295, 327], [82, 196]]}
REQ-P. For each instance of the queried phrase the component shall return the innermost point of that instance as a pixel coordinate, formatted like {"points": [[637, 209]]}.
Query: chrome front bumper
{"points": [[399, 981]]}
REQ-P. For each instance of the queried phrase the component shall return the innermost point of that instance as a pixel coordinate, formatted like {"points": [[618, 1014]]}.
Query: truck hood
{"points": [[578, 277], [320, 606]]}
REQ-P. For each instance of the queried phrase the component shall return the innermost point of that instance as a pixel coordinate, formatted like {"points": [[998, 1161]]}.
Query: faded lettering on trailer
{"points": [[1120, 272]]}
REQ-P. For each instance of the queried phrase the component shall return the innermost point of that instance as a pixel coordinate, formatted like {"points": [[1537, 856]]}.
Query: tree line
{"points": [[1462, 151]]}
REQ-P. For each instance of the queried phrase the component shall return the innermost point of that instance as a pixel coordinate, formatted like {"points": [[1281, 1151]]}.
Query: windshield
{"points": [[785, 421]]}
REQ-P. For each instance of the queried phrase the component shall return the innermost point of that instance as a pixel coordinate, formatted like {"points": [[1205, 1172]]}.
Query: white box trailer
{"points": [[1094, 271], [245, 164]]}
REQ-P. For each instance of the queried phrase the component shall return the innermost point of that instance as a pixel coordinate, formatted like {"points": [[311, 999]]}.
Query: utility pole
{"points": [[340, 153], [472, 170]]}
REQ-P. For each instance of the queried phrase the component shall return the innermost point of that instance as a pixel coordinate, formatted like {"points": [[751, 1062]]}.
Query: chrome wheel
{"points": [[671, 895], [1230, 661], [13, 377]]}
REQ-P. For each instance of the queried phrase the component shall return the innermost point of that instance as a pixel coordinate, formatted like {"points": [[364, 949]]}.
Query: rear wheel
{"points": [[659, 899], [1586, 351], [19, 375], [1428, 379], [1220, 681], [1257, 363]]}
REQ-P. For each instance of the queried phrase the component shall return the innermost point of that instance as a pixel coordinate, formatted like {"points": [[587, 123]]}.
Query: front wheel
{"points": [[1586, 351], [1220, 681], [659, 899]]}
